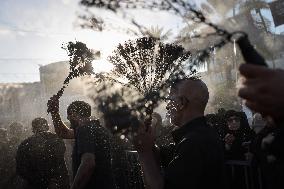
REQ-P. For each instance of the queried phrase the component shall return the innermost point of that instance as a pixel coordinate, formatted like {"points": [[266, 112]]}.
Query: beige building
{"points": [[24, 101]]}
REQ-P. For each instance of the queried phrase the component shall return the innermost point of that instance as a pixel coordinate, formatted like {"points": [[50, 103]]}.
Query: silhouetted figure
{"points": [[238, 135], [91, 158], [125, 165], [15, 136], [4, 158], [40, 159], [237, 139], [267, 151], [197, 159], [217, 122]]}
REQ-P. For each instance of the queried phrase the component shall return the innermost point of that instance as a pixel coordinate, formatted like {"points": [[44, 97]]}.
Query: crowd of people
{"points": [[9, 141], [193, 150]]}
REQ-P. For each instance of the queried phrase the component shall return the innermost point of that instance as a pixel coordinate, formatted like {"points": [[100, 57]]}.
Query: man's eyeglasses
{"points": [[172, 99], [168, 99]]}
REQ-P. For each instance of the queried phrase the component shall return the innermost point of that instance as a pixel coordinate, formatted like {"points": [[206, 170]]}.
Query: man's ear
{"points": [[182, 103]]}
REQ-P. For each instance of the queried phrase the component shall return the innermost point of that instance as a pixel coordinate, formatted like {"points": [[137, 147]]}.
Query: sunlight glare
{"points": [[102, 65]]}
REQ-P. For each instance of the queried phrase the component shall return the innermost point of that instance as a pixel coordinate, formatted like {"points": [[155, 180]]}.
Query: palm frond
{"points": [[148, 66]]}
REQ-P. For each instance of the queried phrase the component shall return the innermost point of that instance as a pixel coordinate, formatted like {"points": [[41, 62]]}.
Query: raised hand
{"points": [[229, 139], [53, 104], [144, 139], [263, 90]]}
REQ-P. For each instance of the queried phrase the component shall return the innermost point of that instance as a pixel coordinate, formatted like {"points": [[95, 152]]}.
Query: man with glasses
{"points": [[197, 158]]}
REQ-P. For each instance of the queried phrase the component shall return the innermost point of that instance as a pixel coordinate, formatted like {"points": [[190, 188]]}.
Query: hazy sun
{"points": [[105, 42], [102, 65]]}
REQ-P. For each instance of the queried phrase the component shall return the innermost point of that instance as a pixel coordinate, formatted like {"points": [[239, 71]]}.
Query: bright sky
{"points": [[32, 32]]}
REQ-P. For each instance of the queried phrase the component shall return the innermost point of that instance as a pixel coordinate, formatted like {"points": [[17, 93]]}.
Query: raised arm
{"points": [[263, 89], [144, 143], [60, 128]]}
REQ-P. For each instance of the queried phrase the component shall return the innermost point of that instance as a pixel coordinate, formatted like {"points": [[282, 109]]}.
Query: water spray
{"points": [[80, 63]]}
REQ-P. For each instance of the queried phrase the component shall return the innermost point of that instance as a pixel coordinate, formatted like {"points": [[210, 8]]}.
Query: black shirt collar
{"points": [[192, 125]]}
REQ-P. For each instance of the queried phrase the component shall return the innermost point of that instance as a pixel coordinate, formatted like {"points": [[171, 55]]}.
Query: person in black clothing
{"points": [[237, 139], [267, 155], [125, 165], [262, 89], [238, 135], [92, 149], [15, 135], [197, 158], [217, 122], [16, 130], [4, 158], [40, 159]]}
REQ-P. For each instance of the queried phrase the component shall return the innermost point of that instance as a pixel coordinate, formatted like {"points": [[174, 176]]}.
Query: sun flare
{"points": [[102, 65]]}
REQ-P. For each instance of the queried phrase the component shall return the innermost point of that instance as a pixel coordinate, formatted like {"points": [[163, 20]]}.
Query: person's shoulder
{"points": [[192, 139], [50, 134], [90, 128], [208, 132], [188, 145], [201, 135], [90, 125], [83, 128], [26, 145], [28, 141], [97, 127]]}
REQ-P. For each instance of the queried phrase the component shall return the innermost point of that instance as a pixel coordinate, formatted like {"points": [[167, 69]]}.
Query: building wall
{"points": [[24, 101]]}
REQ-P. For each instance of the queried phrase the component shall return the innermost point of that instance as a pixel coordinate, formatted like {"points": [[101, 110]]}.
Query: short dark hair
{"points": [[16, 128], [40, 124], [231, 113], [80, 107]]}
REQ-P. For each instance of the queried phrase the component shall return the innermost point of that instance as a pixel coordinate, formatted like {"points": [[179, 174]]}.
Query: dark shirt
{"points": [[238, 149], [95, 139], [198, 161], [5, 163], [40, 161], [126, 166], [272, 170]]}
